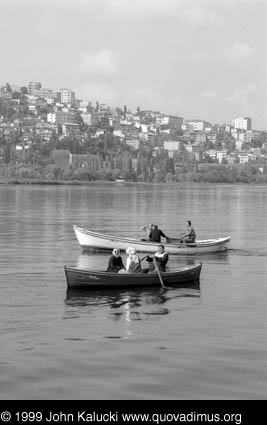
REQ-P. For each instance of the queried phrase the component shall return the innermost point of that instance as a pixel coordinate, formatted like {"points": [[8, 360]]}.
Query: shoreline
{"points": [[100, 182]]}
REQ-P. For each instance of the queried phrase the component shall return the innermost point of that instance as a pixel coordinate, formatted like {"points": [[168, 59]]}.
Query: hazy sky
{"points": [[202, 59]]}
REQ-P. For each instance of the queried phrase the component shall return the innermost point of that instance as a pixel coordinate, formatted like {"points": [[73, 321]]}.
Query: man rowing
{"points": [[189, 236], [161, 257]]}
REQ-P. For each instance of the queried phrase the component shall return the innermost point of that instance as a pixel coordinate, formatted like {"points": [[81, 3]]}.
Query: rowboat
{"points": [[88, 240], [92, 279]]}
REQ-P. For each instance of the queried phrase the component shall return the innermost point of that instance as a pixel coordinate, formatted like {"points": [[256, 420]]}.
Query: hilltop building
{"points": [[67, 96], [242, 123], [34, 85], [199, 125]]}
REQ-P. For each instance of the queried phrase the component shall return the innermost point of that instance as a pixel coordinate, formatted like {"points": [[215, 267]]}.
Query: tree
{"points": [[8, 88], [169, 177], [23, 90]]}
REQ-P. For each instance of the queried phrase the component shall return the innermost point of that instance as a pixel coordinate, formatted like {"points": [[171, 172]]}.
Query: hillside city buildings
{"points": [[36, 115]]}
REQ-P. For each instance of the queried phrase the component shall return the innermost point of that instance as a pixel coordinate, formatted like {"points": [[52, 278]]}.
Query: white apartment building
{"points": [[70, 129], [242, 123], [67, 96], [90, 118], [199, 125], [212, 153], [171, 121], [134, 143], [45, 93], [34, 85], [187, 127], [221, 155], [248, 136], [243, 158], [118, 133], [238, 145], [171, 145]]}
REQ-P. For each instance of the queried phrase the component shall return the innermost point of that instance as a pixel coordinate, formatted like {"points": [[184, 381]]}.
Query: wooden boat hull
{"points": [[88, 240], [91, 279]]}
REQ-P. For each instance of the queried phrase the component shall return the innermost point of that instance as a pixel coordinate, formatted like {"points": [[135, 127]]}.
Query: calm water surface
{"points": [[202, 342]]}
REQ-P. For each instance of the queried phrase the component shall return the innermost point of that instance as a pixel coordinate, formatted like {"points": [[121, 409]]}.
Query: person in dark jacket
{"points": [[115, 262], [155, 234]]}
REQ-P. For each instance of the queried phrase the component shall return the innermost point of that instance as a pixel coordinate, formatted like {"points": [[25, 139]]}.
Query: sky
{"points": [[198, 59]]}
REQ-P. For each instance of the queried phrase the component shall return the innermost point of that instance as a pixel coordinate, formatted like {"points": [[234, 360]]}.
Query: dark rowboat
{"points": [[91, 279]]}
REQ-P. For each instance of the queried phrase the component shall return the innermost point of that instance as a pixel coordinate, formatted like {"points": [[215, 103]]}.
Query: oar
{"points": [[157, 268]]}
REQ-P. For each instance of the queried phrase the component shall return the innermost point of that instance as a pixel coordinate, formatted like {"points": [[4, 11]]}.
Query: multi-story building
{"points": [[238, 145], [61, 117], [6, 92], [199, 125], [212, 153], [67, 96], [170, 121], [200, 137], [46, 93], [221, 155], [187, 127], [195, 149], [243, 158], [134, 143], [242, 123], [90, 118], [44, 130], [248, 136], [69, 129], [171, 145], [34, 85], [212, 137]]}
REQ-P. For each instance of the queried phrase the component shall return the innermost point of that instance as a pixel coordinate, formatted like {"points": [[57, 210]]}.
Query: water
{"points": [[200, 342]]}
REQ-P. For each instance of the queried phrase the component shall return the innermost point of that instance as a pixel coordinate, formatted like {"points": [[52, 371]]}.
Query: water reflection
{"points": [[128, 305]]}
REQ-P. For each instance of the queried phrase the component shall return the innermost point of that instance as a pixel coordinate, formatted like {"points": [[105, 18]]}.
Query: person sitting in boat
{"points": [[189, 235], [147, 228], [115, 263], [133, 262], [162, 258], [155, 234]]}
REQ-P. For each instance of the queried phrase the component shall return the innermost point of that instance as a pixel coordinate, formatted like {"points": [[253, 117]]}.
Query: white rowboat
{"points": [[88, 240]]}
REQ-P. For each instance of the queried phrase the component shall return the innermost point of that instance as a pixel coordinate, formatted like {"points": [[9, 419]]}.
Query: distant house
{"points": [[69, 129], [134, 143], [212, 153], [221, 155], [212, 137], [171, 145], [118, 133], [243, 158], [91, 119], [199, 125], [201, 137], [195, 149], [238, 145]]}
